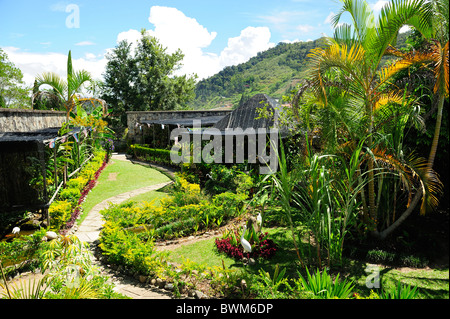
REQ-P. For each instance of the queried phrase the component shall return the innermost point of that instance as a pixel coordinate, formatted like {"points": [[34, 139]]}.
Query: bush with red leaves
{"points": [[264, 248], [77, 211]]}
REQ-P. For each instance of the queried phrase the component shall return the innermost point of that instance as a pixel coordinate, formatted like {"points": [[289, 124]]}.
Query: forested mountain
{"points": [[274, 72]]}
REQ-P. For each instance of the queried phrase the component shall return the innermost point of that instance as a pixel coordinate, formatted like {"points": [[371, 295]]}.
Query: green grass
{"points": [[204, 252], [120, 177], [431, 283], [201, 252]]}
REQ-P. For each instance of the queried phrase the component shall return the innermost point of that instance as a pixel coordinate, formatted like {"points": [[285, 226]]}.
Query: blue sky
{"points": [[37, 35]]}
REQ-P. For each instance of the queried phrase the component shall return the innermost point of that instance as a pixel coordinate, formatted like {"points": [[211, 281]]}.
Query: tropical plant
{"points": [[436, 56], [284, 183], [30, 289], [65, 91], [322, 285], [399, 292], [352, 64], [271, 284]]}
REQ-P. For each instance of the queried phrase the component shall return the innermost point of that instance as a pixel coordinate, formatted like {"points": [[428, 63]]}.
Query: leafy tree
{"points": [[13, 93], [142, 79]]}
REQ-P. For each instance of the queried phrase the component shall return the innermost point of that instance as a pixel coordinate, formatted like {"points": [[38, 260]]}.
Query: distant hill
{"points": [[274, 72]]}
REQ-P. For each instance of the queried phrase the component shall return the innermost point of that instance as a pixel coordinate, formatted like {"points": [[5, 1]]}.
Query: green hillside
{"points": [[274, 72]]}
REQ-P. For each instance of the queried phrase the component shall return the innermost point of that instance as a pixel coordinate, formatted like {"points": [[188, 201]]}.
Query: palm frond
{"points": [[54, 81], [30, 289], [347, 59], [413, 172], [76, 81], [406, 60], [393, 16], [386, 98], [362, 16]]}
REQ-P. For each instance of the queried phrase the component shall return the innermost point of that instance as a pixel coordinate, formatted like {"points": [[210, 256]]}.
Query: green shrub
{"points": [[70, 194], [229, 204], [23, 248], [380, 256], [60, 212], [161, 156], [77, 183]]}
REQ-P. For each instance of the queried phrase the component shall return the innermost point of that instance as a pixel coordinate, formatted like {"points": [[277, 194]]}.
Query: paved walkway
{"points": [[89, 231]]}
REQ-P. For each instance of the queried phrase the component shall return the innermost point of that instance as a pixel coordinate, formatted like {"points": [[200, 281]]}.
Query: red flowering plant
{"points": [[84, 192], [262, 246]]}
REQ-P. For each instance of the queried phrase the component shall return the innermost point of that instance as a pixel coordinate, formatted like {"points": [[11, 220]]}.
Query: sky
{"points": [[212, 34]]}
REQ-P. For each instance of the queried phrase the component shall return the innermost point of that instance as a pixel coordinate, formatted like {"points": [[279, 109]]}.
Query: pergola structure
{"points": [[23, 169]]}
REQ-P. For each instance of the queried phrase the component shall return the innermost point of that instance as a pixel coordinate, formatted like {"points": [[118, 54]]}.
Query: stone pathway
{"points": [[90, 228], [89, 231]]}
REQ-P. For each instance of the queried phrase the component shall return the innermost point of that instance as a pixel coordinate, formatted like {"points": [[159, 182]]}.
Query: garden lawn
{"points": [[119, 177], [432, 283], [205, 252]]}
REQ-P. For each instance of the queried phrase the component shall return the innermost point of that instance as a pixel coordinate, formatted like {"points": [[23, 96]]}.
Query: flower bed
{"points": [[67, 209], [262, 247]]}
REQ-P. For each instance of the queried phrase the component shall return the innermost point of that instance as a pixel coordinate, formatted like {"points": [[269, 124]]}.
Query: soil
{"points": [[112, 176]]}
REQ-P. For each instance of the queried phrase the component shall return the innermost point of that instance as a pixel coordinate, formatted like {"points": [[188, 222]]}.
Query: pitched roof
{"points": [[30, 136], [248, 115], [186, 122]]}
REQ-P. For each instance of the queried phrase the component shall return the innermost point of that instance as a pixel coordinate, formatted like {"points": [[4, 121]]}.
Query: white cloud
{"points": [[131, 36], [304, 28], [404, 29], [33, 64], [176, 30], [376, 7], [84, 43], [328, 18], [251, 41], [291, 41], [173, 29]]}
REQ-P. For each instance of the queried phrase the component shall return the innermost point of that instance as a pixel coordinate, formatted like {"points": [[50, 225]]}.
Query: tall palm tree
{"points": [[66, 91], [355, 53], [436, 55]]}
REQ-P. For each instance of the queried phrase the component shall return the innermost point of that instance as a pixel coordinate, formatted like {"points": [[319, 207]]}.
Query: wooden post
{"points": [[41, 152], [55, 166], [153, 135]]}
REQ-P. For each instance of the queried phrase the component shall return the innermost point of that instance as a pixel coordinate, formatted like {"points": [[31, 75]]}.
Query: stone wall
{"points": [[134, 117], [19, 120]]}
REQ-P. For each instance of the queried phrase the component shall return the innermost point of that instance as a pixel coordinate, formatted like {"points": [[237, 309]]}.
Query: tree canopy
{"points": [[13, 93], [142, 78]]}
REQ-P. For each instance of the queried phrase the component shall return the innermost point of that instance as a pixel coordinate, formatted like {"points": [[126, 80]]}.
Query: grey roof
{"points": [[186, 122], [247, 115], [38, 136], [32, 136]]}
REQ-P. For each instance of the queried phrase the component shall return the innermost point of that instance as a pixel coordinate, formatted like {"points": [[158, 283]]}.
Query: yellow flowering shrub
{"points": [[60, 212], [90, 121], [188, 187], [77, 183]]}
